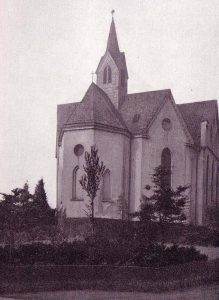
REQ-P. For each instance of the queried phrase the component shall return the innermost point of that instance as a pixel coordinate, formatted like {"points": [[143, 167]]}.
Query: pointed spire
{"points": [[112, 43]]}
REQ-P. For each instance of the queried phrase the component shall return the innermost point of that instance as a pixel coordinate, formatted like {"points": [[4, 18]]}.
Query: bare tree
{"points": [[90, 181]]}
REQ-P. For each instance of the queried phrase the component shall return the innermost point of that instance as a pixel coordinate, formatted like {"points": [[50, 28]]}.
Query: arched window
{"points": [[211, 133], [212, 182], [207, 171], [166, 164], [217, 187], [122, 78], [106, 186], [77, 191], [107, 75]]}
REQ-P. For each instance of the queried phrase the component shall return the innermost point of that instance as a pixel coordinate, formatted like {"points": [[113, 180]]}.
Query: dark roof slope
{"points": [[195, 113], [139, 109], [112, 43], [95, 108]]}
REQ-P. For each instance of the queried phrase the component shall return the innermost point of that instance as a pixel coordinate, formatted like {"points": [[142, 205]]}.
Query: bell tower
{"points": [[112, 74]]}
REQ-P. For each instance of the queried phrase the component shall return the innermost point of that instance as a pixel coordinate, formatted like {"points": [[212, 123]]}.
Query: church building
{"points": [[134, 133]]}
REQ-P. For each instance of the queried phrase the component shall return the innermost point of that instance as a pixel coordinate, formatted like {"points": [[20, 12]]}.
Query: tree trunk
{"points": [[92, 217]]}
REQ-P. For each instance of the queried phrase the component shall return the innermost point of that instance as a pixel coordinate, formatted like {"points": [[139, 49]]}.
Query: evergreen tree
{"points": [[41, 211], [164, 206], [14, 212], [40, 196]]}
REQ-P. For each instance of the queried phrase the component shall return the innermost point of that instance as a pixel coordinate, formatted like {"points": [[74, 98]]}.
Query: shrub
{"points": [[98, 251]]}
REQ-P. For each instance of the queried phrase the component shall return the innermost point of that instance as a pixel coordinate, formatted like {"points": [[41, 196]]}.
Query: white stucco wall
{"points": [[70, 161], [113, 150], [146, 155]]}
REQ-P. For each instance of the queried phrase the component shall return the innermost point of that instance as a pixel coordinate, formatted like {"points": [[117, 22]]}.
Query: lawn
{"points": [[210, 292]]}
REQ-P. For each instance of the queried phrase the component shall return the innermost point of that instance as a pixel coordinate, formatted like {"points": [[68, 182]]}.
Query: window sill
{"points": [[107, 200], [76, 199]]}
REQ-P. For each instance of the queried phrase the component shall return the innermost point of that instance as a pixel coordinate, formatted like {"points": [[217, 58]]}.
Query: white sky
{"points": [[48, 49]]}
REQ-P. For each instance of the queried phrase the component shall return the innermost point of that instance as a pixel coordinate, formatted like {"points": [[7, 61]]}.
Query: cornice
{"points": [[90, 126]]}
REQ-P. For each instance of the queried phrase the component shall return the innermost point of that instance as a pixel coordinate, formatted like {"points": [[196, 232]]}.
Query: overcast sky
{"points": [[48, 49]]}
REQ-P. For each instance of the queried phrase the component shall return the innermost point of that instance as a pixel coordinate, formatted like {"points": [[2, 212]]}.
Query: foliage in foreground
{"points": [[21, 210], [164, 205], [99, 252], [90, 181]]}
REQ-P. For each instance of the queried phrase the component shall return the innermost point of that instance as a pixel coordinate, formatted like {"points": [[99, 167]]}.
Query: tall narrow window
{"points": [[107, 75], [207, 171], [122, 78], [217, 187], [77, 191], [106, 186], [212, 182], [166, 164]]}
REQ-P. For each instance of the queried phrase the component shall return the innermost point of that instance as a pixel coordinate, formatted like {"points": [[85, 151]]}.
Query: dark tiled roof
{"points": [[139, 109], [195, 113], [136, 113], [95, 107]]}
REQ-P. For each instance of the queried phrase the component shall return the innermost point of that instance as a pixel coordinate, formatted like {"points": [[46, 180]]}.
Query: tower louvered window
{"points": [[122, 78], [107, 75]]}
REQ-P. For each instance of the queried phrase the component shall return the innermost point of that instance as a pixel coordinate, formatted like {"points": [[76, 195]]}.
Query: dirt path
{"points": [[202, 293]]}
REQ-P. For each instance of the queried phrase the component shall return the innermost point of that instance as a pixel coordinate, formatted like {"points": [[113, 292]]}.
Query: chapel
{"points": [[134, 133]]}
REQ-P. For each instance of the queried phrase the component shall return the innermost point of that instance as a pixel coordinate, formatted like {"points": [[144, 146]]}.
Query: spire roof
{"points": [[112, 43]]}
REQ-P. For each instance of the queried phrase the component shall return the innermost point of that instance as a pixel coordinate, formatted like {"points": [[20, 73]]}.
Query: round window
{"points": [[166, 124], [78, 150]]}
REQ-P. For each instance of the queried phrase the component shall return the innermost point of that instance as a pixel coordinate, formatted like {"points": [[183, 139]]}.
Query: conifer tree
{"points": [[40, 195], [165, 205]]}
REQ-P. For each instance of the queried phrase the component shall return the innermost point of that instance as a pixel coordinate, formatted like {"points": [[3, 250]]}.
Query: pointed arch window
{"points": [[166, 164], [217, 186], [122, 78], [212, 182], [107, 75], [207, 171], [106, 186], [77, 191]]}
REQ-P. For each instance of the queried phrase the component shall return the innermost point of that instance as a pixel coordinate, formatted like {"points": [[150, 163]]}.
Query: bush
{"points": [[158, 255], [99, 251]]}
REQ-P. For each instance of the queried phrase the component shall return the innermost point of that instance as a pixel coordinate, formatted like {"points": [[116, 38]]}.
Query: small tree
{"points": [[40, 195], [165, 205], [40, 210], [90, 181], [14, 213]]}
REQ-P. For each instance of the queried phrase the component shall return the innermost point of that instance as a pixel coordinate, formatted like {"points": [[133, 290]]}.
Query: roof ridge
{"points": [[137, 93], [69, 103], [198, 102]]}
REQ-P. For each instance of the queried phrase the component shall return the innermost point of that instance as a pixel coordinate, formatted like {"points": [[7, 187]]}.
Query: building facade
{"points": [[135, 133]]}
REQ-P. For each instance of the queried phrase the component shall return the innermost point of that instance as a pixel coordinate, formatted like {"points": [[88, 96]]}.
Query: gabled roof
{"points": [[197, 112], [139, 109], [95, 108]]}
